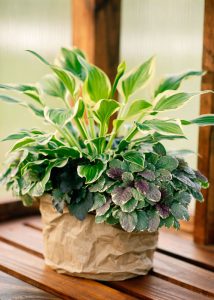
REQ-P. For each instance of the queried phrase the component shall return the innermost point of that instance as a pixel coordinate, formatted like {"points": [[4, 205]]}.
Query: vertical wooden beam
{"points": [[96, 30], [204, 216]]}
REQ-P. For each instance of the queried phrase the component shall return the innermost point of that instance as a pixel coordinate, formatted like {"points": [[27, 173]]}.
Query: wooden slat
{"points": [[204, 215], [165, 266], [12, 288], [154, 288], [96, 30], [32, 269], [184, 274], [179, 246]]}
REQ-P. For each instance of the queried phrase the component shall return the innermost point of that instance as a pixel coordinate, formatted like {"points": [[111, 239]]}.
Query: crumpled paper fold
{"points": [[95, 251]]}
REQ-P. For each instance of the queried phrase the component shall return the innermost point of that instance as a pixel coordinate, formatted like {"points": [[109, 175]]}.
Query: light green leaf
{"points": [[176, 100], [134, 157], [173, 82], [104, 109], [21, 143], [39, 57], [202, 120], [161, 125], [120, 71], [57, 116], [137, 107], [91, 172], [79, 109], [130, 205], [99, 143], [66, 78], [138, 78], [52, 86], [68, 60], [97, 84]]}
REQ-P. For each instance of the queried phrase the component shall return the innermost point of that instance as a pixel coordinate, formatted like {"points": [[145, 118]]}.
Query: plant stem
{"points": [[91, 123], [81, 128], [72, 139]]}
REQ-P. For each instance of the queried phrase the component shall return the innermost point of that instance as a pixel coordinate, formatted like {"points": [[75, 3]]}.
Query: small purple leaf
{"points": [[148, 174], [115, 173], [153, 194], [163, 210], [103, 209], [121, 195], [142, 186]]}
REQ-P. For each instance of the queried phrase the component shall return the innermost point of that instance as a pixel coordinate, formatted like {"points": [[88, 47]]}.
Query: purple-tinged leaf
{"points": [[148, 174], [154, 221], [164, 175], [163, 210], [201, 177], [184, 179], [128, 221], [121, 195], [115, 173], [103, 209], [142, 185], [153, 194]]}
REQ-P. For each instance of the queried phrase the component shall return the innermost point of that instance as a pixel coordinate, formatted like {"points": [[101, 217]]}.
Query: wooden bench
{"points": [[181, 270]]}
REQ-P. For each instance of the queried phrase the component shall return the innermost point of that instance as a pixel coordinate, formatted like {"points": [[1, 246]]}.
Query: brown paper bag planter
{"points": [[95, 251]]}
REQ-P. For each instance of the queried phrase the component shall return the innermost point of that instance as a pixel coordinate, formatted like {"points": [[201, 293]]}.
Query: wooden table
{"points": [[182, 270]]}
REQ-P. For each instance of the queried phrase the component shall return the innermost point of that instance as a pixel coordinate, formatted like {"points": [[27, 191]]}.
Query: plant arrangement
{"points": [[122, 172]]}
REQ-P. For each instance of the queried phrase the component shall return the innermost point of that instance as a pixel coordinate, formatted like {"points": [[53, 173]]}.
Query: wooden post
{"points": [[204, 216], [96, 30]]}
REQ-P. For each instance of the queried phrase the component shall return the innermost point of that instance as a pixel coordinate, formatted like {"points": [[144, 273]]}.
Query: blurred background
{"points": [[174, 36]]}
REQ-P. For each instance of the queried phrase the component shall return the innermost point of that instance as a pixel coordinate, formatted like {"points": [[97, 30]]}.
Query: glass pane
{"points": [[43, 26], [173, 31]]}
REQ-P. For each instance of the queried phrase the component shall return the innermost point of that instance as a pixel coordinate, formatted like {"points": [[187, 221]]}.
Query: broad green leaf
{"points": [[161, 125], [97, 84], [173, 82], [159, 149], [128, 221], [57, 116], [137, 107], [16, 136], [120, 71], [91, 172], [134, 157], [142, 220], [138, 78], [167, 162], [130, 205], [104, 109], [127, 177], [176, 100], [202, 120], [21, 143], [52, 86], [66, 78], [79, 109], [99, 144], [68, 60]]}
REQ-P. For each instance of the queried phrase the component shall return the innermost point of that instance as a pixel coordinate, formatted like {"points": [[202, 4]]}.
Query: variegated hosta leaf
{"points": [[130, 205], [128, 221], [121, 195]]}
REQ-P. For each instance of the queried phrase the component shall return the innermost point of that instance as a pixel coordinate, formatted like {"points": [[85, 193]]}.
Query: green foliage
{"points": [[134, 183]]}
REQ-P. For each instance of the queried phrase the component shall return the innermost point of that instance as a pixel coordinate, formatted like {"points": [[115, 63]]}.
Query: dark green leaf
{"points": [[142, 220], [80, 209]]}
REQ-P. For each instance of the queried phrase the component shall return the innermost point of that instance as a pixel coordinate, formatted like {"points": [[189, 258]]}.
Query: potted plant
{"points": [[104, 191]]}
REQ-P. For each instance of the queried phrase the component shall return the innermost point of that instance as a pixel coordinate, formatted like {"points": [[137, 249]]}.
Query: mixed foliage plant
{"points": [[85, 164]]}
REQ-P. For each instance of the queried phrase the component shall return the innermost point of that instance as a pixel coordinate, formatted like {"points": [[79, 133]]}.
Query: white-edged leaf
{"points": [[137, 107], [57, 116]]}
